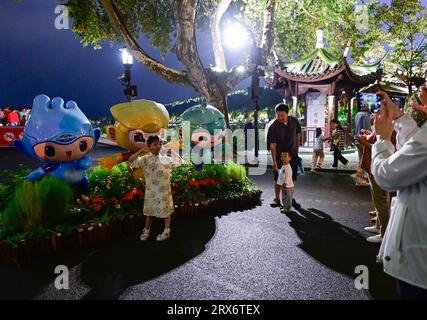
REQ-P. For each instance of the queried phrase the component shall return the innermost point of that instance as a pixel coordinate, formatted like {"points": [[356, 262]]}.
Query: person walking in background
{"points": [[362, 124], [337, 143], [23, 120], [2, 118], [6, 113], [22, 113], [318, 153], [283, 136], [13, 118]]}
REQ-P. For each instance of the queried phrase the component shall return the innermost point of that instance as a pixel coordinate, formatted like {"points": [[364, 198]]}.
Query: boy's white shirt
{"points": [[285, 176]]}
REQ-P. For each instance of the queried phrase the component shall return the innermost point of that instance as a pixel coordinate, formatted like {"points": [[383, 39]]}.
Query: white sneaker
{"points": [[145, 235], [375, 239], [373, 213], [163, 236], [373, 229]]}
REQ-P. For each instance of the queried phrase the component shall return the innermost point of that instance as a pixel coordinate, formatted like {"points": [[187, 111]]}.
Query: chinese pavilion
{"points": [[321, 80]]}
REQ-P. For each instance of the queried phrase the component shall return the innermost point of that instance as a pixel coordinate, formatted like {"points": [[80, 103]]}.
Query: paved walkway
{"points": [[256, 254], [306, 155]]}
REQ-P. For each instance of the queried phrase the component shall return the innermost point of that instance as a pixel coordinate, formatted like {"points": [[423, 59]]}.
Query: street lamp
{"points": [[130, 91], [236, 36], [258, 59]]}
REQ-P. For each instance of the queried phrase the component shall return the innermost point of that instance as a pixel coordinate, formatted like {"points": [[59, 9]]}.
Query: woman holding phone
{"points": [[404, 248]]}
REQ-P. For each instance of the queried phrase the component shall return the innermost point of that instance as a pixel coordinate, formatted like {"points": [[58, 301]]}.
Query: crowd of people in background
{"points": [[9, 116], [392, 151]]}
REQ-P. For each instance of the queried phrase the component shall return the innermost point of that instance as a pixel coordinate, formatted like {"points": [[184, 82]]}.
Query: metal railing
{"points": [[308, 137]]}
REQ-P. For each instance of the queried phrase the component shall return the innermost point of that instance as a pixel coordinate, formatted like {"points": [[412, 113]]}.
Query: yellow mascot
{"points": [[135, 122]]}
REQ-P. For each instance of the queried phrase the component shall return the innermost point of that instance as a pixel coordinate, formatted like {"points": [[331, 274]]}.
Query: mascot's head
{"points": [[136, 121], [207, 123], [57, 132]]}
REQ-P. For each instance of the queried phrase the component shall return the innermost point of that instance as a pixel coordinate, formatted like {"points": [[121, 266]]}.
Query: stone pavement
{"points": [[306, 155]]}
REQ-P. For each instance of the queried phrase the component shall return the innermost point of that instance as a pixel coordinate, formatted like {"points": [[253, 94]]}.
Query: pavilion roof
{"points": [[321, 65]]}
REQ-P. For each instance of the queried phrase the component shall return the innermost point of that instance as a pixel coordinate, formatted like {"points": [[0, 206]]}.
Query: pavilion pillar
{"points": [[295, 107], [331, 104], [350, 114], [336, 106]]}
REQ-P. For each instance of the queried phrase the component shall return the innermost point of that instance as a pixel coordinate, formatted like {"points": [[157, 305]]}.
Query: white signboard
{"points": [[316, 109]]}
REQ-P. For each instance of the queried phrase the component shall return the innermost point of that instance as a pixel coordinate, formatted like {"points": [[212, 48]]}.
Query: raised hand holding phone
{"points": [[384, 119], [392, 109]]}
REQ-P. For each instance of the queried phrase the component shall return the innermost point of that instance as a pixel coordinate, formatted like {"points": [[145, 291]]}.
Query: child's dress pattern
{"points": [[158, 200]]}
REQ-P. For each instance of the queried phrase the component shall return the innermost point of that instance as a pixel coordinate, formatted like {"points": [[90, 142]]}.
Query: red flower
{"points": [[98, 200], [132, 194], [97, 207], [205, 182]]}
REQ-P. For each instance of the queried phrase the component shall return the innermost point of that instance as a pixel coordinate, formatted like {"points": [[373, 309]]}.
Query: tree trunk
{"points": [[215, 26], [268, 26], [219, 100]]}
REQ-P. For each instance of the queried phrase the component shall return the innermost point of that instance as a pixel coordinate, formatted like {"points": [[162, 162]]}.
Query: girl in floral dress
{"points": [[158, 200]]}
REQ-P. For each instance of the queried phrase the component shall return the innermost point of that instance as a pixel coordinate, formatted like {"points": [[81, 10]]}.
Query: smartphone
{"points": [[370, 100]]}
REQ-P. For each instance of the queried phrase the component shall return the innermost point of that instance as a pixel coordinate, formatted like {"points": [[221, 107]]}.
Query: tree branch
{"points": [[268, 26], [215, 26], [185, 47], [168, 74]]}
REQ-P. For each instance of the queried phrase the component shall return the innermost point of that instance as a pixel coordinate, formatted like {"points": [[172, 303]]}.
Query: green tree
{"points": [[344, 23], [405, 32], [170, 25]]}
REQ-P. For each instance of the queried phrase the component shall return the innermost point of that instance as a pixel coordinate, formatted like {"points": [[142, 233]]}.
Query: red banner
{"points": [[8, 134]]}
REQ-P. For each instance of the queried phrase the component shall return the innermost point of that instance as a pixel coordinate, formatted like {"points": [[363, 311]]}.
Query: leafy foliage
{"points": [[405, 29], [153, 18], [39, 209], [34, 204]]}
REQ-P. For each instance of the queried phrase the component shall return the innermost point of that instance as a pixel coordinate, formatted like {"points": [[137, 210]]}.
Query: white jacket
{"points": [[404, 247]]}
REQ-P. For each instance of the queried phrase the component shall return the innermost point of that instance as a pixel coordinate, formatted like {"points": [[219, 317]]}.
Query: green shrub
{"points": [[34, 204], [236, 171], [13, 180]]}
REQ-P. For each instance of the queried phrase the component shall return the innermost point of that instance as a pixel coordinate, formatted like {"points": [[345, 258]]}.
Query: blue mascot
{"points": [[60, 136]]}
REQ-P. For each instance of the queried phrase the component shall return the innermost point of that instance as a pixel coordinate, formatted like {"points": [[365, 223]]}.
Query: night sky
{"points": [[36, 58]]}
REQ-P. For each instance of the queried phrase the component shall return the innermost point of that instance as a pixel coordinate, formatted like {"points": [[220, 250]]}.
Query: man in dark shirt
{"points": [[283, 135]]}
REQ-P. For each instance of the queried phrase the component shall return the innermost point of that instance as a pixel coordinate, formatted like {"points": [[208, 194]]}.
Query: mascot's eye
{"points": [[138, 137], [49, 151], [83, 146], [201, 138]]}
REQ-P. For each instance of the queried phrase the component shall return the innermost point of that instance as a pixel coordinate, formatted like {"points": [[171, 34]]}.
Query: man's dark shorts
{"points": [[294, 166]]}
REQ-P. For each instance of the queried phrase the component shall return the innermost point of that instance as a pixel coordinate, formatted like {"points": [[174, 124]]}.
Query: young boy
{"points": [[286, 182]]}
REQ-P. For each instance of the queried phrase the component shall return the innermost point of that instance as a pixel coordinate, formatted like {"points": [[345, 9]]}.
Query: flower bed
{"points": [[43, 218]]}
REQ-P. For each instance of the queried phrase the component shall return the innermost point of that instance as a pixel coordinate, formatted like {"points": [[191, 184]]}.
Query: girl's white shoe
{"points": [[165, 235], [145, 235]]}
